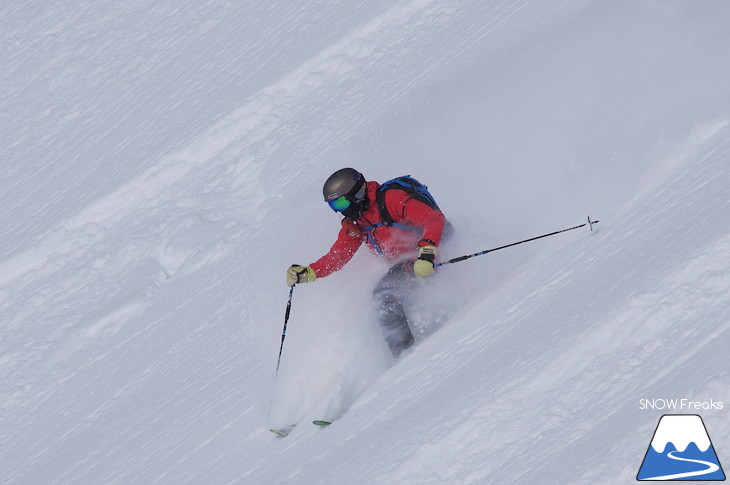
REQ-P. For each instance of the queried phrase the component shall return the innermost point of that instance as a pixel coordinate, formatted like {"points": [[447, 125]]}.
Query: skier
{"points": [[396, 224]]}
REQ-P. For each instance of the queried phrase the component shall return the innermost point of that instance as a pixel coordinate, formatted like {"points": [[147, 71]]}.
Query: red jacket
{"points": [[423, 227]]}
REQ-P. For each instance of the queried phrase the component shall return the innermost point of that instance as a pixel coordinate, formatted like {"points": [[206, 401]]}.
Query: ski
{"points": [[283, 432]]}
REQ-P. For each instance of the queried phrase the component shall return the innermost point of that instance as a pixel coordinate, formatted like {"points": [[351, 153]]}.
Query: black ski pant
{"points": [[391, 292]]}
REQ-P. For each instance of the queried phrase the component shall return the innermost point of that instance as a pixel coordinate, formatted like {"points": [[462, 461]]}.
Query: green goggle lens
{"points": [[339, 204]]}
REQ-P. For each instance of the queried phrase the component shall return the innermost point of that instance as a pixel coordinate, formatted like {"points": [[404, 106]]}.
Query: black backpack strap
{"points": [[380, 200], [410, 186]]}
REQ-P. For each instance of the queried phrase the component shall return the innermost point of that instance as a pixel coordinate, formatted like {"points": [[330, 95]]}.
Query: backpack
{"points": [[409, 185]]}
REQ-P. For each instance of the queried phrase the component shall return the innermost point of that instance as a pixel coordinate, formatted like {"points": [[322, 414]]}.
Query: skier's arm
{"points": [[412, 212], [415, 213], [341, 252]]}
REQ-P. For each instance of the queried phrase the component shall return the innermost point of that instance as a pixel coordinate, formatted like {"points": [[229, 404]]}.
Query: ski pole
{"points": [[286, 320], [462, 258]]}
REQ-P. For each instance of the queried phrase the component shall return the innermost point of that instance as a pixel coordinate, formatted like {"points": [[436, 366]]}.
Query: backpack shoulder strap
{"points": [[409, 185], [380, 200]]}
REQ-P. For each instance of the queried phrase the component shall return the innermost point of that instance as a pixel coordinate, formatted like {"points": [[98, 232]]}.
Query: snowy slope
{"points": [[553, 362], [161, 167]]}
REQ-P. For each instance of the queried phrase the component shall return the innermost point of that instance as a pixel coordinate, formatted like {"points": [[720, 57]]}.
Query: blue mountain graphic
{"points": [[669, 463]]}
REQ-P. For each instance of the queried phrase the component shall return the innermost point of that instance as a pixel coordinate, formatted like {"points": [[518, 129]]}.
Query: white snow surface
{"points": [[161, 165]]}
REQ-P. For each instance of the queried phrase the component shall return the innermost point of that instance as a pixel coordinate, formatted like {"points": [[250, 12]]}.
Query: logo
{"points": [[681, 405], [681, 450]]}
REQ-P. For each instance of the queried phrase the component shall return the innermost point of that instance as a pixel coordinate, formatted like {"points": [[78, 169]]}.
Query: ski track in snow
{"points": [[136, 299]]}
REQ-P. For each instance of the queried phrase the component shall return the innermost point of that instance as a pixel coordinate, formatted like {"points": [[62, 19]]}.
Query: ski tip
{"points": [[321, 422], [283, 432]]}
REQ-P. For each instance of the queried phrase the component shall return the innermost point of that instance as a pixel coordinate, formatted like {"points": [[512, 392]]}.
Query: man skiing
{"points": [[397, 223]]}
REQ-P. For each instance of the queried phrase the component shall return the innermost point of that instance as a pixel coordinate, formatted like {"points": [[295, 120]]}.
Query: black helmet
{"points": [[343, 191], [342, 182]]}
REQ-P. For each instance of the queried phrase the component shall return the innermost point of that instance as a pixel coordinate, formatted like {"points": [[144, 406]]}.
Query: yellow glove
{"points": [[424, 264], [299, 274]]}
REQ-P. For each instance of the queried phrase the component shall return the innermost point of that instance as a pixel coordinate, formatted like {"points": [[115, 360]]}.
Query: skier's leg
{"points": [[394, 324], [388, 295]]}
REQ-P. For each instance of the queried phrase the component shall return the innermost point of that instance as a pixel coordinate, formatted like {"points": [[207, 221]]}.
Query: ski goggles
{"points": [[340, 204], [343, 202]]}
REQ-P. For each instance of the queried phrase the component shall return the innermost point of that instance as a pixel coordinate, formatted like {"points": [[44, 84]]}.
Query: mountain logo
{"points": [[681, 450]]}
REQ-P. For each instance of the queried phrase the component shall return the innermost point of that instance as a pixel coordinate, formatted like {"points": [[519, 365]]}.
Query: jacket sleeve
{"points": [[341, 252], [407, 210]]}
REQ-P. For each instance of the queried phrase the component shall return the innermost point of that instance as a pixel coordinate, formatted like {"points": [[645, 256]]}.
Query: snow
{"points": [[162, 166]]}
